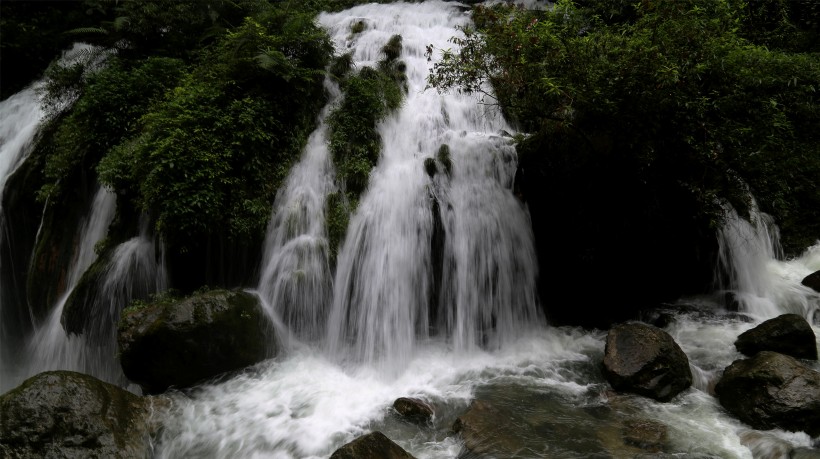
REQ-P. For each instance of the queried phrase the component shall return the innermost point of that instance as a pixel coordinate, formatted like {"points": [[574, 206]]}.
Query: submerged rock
{"points": [[72, 415], [645, 360], [788, 334], [645, 434], [179, 343], [772, 390], [414, 410], [371, 446]]}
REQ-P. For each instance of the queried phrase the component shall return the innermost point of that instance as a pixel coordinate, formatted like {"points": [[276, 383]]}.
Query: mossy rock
{"points": [[180, 343], [72, 415]]}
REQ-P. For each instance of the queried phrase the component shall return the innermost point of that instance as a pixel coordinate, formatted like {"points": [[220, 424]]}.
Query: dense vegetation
{"points": [[644, 120]]}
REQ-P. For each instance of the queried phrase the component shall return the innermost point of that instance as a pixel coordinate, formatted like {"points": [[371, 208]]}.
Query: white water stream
{"points": [[20, 117]]}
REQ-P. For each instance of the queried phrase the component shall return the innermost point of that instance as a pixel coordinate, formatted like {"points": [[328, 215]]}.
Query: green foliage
{"points": [[337, 217], [369, 96], [207, 161], [107, 112], [675, 90]]}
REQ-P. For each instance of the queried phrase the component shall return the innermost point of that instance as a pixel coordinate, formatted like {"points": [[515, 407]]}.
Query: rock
{"points": [[804, 453], [72, 415], [788, 334], [179, 343], [812, 281], [414, 410], [765, 446], [371, 446], [486, 429], [645, 434], [772, 390], [645, 360]]}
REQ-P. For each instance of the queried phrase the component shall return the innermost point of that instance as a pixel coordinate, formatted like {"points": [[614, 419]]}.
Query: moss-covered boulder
{"points": [[772, 390], [179, 343], [72, 415], [645, 360]]}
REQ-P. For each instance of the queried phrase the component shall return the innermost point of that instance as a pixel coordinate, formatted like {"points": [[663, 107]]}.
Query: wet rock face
{"points": [[788, 334], [371, 446], [414, 410], [812, 281], [72, 415], [645, 360], [772, 390], [183, 342]]}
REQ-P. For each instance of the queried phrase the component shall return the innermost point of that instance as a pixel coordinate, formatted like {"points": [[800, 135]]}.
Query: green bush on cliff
{"points": [[207, 161], [678, 96]]}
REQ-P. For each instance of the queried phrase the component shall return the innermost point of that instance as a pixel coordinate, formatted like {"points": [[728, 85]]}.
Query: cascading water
{"points": [[50, 348], [761, 282], [20, 117], [382, 303], [296, 280], [401, 331]]}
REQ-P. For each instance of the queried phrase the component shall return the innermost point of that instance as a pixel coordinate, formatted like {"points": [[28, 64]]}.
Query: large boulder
{"points": [[772, 390], [812, 281], [374, 445], [788, 334], [72, 415], [180, 343], [645, 360]]}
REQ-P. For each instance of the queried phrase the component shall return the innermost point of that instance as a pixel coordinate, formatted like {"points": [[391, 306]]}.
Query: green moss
{"points": [[358, 27], [337, 216]]}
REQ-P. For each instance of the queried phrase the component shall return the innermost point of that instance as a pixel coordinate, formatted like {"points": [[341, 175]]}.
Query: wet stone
{"points": [[414, 410]]}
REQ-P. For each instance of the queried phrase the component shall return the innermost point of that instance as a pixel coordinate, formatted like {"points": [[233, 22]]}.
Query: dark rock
{"points": [[414, 410], [645, 360], [812, 281], [772, 390], [72, 415], [788, 334], [371, 446], [179, 343]]}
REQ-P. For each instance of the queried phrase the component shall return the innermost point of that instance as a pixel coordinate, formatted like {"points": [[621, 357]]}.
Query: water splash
{"points": [[764, 284], [20, 118]]}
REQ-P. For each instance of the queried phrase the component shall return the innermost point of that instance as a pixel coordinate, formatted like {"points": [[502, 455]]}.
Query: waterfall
{"points": [[763, 284], [295, 284], [20, 118], [433, 296], [382, 303], [49, 347]]}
